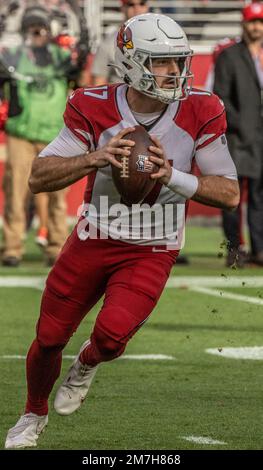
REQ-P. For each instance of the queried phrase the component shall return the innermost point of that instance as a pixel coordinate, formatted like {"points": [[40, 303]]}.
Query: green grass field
{"points": [[154, 404]]}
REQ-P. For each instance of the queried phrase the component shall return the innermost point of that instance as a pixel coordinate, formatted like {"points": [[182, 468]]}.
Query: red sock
{"points": [[43, 369], [102, 348], [90, 355]]}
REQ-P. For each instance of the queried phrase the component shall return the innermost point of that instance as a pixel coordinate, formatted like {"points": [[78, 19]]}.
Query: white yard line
{"points": [[215, 281], [227, 295], [33, 282], [148, 357], [174, 281], [246, 352], [132, 357], [203, 440], [201, 284]]}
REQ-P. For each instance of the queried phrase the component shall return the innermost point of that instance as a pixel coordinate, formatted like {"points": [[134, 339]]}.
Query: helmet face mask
{"points": [[145, 38], [182, 82]]}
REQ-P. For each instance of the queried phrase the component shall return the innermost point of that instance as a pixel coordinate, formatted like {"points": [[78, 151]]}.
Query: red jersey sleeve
{"points": [[77, 122], [214, 123]]}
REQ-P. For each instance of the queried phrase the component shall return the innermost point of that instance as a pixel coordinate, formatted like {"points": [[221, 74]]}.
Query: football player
{"points": [[154, 56]]}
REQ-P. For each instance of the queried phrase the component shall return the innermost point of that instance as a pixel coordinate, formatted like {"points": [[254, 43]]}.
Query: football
{"points": [[133, 181]]}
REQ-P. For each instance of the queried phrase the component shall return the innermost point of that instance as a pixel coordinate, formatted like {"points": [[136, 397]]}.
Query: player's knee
{"points": [[107, 347], [51, 338]]}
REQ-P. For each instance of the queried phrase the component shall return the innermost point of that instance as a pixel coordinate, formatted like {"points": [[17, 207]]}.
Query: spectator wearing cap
{"points": [[101, 71], [239, 83], [37, 97]]}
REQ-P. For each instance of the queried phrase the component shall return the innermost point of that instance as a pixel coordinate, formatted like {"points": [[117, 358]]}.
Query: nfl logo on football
{"points": [[144, 164]]}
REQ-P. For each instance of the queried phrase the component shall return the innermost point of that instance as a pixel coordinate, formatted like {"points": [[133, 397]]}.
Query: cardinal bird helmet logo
{"points": [[124, 38]]}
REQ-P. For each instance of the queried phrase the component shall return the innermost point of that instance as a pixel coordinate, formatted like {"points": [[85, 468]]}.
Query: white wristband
{"points": [[183, 183]]}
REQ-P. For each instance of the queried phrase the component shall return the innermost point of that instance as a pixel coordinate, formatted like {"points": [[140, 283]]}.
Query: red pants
{"points": [[132, 278]]}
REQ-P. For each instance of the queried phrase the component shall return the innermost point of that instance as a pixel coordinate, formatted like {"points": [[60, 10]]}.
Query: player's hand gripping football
{"points": [[117, 145], [165, 170]]}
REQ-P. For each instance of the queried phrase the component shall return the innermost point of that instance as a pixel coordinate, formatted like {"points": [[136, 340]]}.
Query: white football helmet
{"points": [[144, 38]]}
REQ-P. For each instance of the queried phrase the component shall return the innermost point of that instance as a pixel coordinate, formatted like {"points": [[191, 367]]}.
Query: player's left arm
{"points": [[218, 184], [217, 191]]}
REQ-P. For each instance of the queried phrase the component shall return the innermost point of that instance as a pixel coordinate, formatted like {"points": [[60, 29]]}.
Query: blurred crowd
{"points": [[36, 74], [63, 18]]}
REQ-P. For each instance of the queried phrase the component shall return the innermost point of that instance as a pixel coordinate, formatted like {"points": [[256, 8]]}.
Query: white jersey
{"points": [[189, 129]]}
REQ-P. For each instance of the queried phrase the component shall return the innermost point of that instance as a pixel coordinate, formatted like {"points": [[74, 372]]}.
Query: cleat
{"points": [[26, 431], [11, 261], [75, 386]]}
